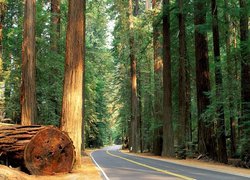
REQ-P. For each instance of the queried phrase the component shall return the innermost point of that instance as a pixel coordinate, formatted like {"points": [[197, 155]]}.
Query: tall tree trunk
{"points": [[206, 141], [2, 9], [2, 85], [168, 136], [83, 74], [183, 120], [55, 20], [136, 8], [2, 12], [71, 121], [221, 131], [245, 80], [147, 6], [54, 42], [139, 114], [28, 87], [188, 121], [134, 101], [229, 78], [157, 143], [140, 121]]}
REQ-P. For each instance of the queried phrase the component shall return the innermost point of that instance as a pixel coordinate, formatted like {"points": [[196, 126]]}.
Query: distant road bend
{"points": [[117, 165]]}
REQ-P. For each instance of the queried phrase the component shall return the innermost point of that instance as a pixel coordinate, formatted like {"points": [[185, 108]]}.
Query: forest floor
{"points": [[88, 171], [209, 165]]}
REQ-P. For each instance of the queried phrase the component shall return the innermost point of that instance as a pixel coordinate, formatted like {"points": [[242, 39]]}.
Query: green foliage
{"points": [[50, 68], [107, 91], [98, 76], [12, 42]]}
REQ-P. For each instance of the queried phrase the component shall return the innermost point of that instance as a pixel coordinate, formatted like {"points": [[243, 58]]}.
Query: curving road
{"points": [[116, 165]]}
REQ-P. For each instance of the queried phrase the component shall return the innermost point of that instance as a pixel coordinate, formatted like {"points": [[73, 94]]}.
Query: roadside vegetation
{"points": [[170, 77]]}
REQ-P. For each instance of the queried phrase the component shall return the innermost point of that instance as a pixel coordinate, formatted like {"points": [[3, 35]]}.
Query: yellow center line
{"points": [[151, 167]]}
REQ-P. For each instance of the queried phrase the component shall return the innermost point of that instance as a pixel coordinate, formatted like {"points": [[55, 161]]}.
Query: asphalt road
{"points": [[116, 165]]}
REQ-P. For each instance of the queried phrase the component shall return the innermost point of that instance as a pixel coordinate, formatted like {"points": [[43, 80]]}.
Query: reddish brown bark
{"points": [[221, 131], [134, 145], [28, 86], [140, 120], [245, 80], [55, 20], [54, 42], [183, 120], [72, 115], [2, 12], [147, 6], [158, 96], [83, 85], [168, 136], [206, 142]]}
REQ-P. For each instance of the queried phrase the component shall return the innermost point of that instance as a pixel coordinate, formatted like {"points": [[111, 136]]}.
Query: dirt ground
{"points": [[88, 171], [199, 164]]}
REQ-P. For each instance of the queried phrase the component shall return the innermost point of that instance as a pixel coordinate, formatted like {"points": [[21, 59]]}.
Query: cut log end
{"points": [[50, 151]]}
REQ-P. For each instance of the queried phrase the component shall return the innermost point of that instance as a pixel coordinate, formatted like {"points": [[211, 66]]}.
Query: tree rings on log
{"points": [[43, 150], [50, 151]]}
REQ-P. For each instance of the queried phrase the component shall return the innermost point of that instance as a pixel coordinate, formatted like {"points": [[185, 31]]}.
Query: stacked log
{"points": [[43, 150]]}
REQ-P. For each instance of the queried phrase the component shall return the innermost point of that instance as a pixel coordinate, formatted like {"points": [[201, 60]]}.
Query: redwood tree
{"points": [[2, 12], [134, 137], [183, 119], [83, 84], [228, 40], [157, 143], [168, 136], [245, 79], [147, 6], [71, 120], [206, 142], [55, 20], [54, 42], [221, 132], [28, 86]]}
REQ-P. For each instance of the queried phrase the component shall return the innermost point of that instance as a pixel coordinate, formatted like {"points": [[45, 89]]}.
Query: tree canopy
{"points": [[169, 77]]}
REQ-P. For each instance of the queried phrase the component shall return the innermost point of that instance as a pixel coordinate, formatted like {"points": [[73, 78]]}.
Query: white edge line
{"points": [[99, 167]]}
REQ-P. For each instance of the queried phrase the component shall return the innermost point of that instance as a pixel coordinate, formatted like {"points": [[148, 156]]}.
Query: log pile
{"points": [[43, 150]]}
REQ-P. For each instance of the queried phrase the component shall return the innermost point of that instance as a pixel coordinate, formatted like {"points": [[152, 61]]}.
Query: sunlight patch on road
{"points": [[151, 167]]}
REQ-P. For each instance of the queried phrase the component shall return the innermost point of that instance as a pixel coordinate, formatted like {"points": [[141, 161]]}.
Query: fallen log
{"points": [[43, 150], [6, 124]]}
